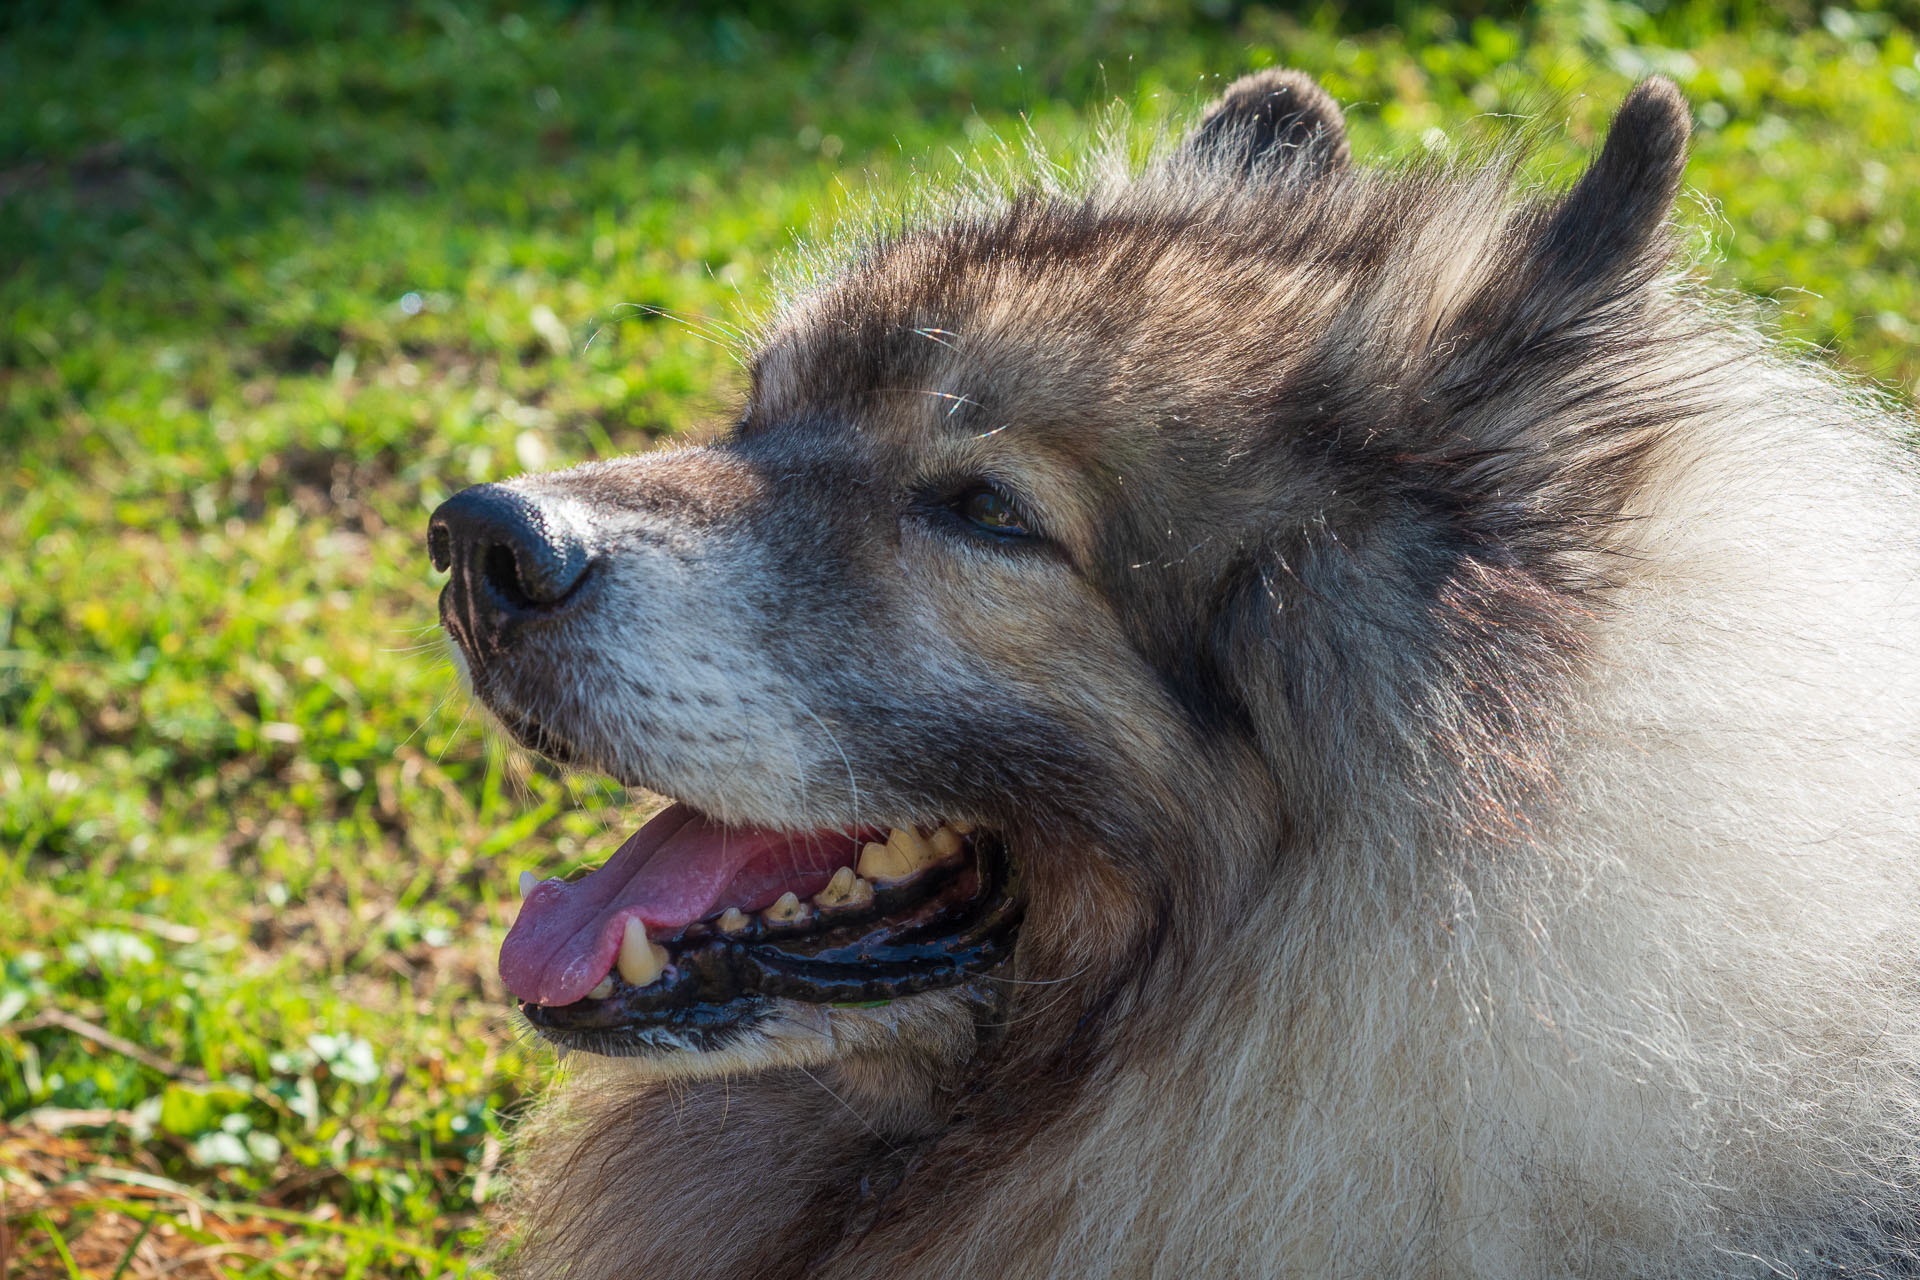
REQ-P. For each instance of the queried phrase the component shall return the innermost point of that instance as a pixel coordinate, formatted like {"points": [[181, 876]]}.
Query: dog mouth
{"points": [[694, 931]]}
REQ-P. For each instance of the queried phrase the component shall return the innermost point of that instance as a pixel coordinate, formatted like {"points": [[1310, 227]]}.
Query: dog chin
{"points": [[891, 1050]]}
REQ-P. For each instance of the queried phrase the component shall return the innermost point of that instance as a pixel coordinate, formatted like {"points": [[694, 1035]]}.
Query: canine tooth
{"points": [[732, 920], [964, 828], [837, 889], [786, 909], [641, 959], [883, 863], [946, 842], [527, 882], [602, 991]]}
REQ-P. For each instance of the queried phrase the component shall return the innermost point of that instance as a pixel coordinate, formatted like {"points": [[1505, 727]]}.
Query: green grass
{"points": [[274, 282]]}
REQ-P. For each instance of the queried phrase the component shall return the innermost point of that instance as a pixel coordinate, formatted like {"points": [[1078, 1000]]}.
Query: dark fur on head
{"points": [[1269, 122], [1398, 727]]}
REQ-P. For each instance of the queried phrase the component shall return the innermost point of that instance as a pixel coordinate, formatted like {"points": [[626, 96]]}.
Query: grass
{"points": [[276, 278]]}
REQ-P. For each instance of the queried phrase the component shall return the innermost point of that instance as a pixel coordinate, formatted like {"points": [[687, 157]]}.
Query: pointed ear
{"points": [[1588, 253], [1273, 118], [1617, 212], [1554, 378]]}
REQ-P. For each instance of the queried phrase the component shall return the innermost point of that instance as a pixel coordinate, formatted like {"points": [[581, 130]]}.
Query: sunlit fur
{"points": [[1503, 677]]}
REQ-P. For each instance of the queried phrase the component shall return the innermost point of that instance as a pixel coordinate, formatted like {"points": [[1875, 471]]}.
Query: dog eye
{"points": [[993, 511]]}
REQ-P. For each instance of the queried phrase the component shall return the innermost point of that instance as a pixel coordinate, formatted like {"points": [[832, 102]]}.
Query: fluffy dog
{"points": [[1261, 716]]}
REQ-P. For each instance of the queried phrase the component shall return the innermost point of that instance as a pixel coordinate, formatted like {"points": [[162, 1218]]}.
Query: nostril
{"points": [[502, 572], [439, 546], [511, 554], [530, 574]]}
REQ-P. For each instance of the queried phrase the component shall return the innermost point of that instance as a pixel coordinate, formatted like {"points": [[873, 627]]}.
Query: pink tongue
{"points": [[678, 868]]}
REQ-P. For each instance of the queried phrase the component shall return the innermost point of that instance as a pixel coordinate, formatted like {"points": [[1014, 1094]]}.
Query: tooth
{"points": [[882, 863], [786, 909], [837, 889], [913, 850], [526, 883], [946, 842], [845, 890], [732, 920], [964, 828], [602, 991], [860, 895], [641, 959]]}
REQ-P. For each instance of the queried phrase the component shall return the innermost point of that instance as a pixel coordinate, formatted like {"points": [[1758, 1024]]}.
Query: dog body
{"points": [[1447, 697]]}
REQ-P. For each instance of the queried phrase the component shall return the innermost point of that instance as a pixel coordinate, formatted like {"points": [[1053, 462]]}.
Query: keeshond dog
{"points": [[1254, 716]]}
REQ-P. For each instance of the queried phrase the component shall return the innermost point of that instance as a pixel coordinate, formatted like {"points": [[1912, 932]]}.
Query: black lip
{"points": [[918, 938]]}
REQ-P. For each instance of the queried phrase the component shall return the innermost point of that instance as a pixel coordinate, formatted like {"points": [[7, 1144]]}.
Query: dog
{"points": [[1253, 715]]}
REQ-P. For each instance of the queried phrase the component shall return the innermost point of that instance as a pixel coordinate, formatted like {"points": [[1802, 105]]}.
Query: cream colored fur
{"points": [[1674, 1032], [1658, 1018]]}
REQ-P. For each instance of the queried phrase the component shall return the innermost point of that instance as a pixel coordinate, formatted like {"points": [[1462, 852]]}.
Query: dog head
{"points": [[1074, 569]]}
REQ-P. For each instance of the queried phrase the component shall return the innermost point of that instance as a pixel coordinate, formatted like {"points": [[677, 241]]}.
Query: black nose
{"points": [[512, 559]]}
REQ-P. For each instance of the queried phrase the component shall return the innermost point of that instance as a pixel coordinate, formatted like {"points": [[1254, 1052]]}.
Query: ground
{"points": [[275, 281]]}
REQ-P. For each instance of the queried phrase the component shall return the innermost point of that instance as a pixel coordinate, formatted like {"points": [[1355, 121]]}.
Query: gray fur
{"points": [[1458, 725]]}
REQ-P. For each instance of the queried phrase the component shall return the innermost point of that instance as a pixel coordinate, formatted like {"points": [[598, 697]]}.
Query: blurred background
{"points": [[275, 278]]}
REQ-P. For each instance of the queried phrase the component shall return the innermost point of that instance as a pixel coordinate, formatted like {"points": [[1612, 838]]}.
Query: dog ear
{"points": [[1494, 486], [1565, 262], [1271, 118], [1558, 376], [1618, 209]]}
